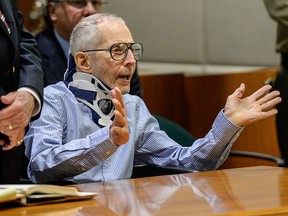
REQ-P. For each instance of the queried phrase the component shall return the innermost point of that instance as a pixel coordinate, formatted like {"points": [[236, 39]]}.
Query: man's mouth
{"points": [[125, 77]]}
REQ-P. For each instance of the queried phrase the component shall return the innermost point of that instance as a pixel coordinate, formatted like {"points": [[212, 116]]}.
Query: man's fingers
{"points": [[119, 107], [266, 114], [260, 92], [240, 91], [21, 106], [15, 138], [270, 104], [119, 128], [119, 119], [120, 135], [9, 98], [119, 96], [12, 144], [7, 113], [269, 97], [15, 122]]}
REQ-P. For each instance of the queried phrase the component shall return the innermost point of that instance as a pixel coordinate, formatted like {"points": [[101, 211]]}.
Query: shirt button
{"points": [[108, 153], [83, 169]]}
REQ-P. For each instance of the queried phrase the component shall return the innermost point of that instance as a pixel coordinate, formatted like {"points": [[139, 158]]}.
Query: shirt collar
{"points": [[63, 43]]}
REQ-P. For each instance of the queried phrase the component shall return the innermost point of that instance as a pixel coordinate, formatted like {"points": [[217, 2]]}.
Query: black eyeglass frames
{"points": [[119, 51], [82, 3]]}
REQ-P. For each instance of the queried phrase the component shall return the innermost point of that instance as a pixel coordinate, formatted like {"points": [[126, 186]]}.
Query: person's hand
{"points": [[119, 131], [258, 106], [15, 117]]}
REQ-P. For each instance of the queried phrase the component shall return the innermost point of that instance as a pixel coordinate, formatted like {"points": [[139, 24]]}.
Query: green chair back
{"points": [[175, 131]]}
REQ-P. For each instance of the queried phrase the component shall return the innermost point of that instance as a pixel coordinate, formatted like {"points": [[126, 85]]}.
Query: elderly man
{"points": [[91, 130], [60, 17], [278, 11]]}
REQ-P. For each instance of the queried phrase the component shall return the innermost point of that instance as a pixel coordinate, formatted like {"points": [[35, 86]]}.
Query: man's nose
{"points": [[130, 57], [90, 9]]}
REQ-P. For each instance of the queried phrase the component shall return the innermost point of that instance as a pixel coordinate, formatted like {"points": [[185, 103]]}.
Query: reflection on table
{"points": [[243, 190]]}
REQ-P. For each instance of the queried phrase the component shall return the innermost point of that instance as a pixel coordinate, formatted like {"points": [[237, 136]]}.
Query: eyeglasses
{"points": [[119, 51], [82, 3]]}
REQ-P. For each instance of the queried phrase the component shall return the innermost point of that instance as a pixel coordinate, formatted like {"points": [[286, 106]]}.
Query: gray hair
{"points": [[85, 34]]}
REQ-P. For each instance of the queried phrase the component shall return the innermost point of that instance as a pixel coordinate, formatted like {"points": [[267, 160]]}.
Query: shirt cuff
{"points": [[37, 100]]}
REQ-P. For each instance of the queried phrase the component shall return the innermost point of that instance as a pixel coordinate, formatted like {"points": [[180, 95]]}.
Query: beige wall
{"points": [[237, 32]]}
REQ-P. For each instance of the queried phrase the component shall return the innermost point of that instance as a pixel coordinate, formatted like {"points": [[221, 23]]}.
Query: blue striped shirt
{"points": [[65, 143]]}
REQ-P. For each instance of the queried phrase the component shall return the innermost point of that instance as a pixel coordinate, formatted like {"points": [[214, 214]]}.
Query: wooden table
{"points": [[260, 190]]}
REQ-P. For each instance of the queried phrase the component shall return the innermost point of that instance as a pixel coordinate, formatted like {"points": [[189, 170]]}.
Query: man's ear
{"points": [[82, 62], [51, 9]]}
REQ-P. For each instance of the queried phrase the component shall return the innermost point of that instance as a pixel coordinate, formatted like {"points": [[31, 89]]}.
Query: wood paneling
{"points": [[25, 6], [165, 95]]}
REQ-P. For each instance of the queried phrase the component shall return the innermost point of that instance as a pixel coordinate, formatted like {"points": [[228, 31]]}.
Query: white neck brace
{"points": [[102, 104]]}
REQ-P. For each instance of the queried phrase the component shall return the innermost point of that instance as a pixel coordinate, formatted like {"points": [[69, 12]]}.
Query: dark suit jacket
{"points": [[20, 66], [55, 62]]}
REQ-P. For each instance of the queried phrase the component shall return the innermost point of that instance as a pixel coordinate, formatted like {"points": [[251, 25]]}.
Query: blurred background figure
{"points": [[278, 11], [58, 20], [21, 88]]}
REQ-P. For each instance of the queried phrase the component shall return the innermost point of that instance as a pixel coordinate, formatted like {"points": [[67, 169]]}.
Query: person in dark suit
{"points": [[60, 17], [21, 88], [278, 11]]}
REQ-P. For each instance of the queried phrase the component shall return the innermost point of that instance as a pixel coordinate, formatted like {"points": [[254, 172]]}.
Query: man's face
{"points": [[66, 15], [113, 73]]}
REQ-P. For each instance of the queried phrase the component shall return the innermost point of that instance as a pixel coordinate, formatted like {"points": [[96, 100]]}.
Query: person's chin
{"points": [[125, 90]]}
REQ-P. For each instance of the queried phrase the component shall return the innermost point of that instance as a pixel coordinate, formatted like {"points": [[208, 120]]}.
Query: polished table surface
{"points": [[260, 190]]}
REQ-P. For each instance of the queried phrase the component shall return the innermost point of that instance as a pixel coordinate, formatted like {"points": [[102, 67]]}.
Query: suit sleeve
{"points": [[30, 73], [277, 10]]}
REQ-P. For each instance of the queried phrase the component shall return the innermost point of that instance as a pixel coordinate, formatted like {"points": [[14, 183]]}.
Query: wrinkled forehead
{"points": [[114, 32]]}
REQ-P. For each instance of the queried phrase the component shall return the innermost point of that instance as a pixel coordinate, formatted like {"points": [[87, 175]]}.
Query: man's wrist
{"points": [[37, 100]]}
